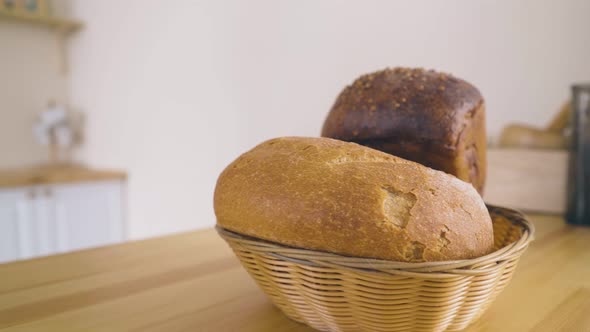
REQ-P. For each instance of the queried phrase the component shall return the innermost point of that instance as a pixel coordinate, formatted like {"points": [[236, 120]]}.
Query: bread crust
{"points": [[425, 116], [330, 195]]}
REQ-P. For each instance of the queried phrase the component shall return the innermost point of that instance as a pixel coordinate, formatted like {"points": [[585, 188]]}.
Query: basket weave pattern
{"points": [[330, 292]]}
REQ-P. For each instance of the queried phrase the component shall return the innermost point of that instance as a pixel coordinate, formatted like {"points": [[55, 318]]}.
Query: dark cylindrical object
{"points": [[578, 211]]}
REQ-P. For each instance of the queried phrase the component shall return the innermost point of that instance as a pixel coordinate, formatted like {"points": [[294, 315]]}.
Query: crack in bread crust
{"points": [[397, 206]]}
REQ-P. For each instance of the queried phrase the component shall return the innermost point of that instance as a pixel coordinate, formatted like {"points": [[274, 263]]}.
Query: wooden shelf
{"points": [[62, 25], [55, 174]]}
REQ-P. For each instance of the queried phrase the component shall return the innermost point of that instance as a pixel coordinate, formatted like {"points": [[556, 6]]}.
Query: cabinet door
{"points": [[16, 240], [44, 223], [88, 215]]}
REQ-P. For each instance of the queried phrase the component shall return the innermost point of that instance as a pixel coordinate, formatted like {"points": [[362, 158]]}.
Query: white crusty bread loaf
{"points": [[329, 195]]}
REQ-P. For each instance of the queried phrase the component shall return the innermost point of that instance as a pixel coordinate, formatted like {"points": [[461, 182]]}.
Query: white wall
{"points": [[175, 90], [156, 83], [29, 77]]}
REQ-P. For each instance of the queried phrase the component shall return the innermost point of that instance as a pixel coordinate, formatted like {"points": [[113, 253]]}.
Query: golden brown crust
{"points": [[329, 195], [425, 116]]}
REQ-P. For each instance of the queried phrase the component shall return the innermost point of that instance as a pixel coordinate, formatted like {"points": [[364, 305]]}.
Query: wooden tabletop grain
{"points": [[192, 282]]}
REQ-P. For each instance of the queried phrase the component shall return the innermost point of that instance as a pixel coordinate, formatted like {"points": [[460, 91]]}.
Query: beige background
{"points": [[174, 91], [29, 77]]}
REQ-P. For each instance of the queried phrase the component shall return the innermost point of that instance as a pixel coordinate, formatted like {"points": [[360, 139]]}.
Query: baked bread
{"points": [[431, 118], [330, 195]]}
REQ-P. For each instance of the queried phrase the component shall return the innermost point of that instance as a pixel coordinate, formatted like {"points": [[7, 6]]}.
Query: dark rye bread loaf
{"points": [[329, 195], [432, 118]]}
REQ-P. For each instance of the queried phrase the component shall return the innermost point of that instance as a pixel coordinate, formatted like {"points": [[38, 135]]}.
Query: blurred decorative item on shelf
{"points": [[8, 4], [60, 130], [37, 12], [556, 135], [38, 7], [578, 207], [31, 7]]}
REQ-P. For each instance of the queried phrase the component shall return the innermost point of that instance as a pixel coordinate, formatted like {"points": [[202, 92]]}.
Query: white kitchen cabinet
{"points": [[89, 215], [14, 208], [47, 219]]}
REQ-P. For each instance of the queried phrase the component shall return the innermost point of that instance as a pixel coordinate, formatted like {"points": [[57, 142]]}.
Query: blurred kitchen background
{"points": [[116, 117]]}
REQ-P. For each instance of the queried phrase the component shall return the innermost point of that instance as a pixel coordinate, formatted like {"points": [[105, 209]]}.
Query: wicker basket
{"points": [[330, 292]]}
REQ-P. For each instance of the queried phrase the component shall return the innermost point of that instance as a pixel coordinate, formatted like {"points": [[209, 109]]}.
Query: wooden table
{"points": [[192, 282]]}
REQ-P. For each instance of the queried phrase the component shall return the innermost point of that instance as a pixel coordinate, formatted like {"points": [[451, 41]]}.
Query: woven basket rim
{"points": [[441, 268]]}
